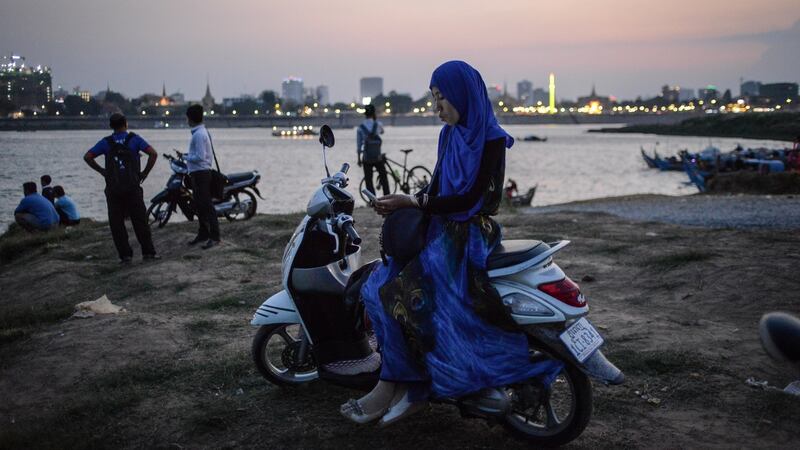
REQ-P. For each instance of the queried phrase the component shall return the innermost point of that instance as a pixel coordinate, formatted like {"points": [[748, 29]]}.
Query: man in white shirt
{"points": [[199, 161]]}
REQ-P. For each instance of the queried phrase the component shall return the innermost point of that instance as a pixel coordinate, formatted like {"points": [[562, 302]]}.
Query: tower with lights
{"points": [[552, 93]]}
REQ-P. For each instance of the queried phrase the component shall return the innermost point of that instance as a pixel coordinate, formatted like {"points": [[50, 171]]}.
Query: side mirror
{"points": [[326, 136]]}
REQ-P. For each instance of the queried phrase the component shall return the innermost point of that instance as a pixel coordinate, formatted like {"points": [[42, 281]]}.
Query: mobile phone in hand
{"points": [[371, 199]]}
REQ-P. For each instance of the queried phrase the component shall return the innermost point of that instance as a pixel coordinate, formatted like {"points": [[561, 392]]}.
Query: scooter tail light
{"points": [[566, 291]]}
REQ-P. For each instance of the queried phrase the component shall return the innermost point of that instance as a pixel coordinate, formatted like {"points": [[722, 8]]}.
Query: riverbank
{"points": [[678, 306], [776, 126]]}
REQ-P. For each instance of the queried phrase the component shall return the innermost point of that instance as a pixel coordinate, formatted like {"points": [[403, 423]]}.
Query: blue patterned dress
{"points": [[440, 324]]}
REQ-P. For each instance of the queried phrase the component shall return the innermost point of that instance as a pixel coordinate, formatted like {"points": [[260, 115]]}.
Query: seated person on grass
{"points": [[65, 207], [34, 211]]}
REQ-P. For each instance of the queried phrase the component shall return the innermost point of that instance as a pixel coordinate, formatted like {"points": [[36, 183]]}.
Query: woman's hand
{"points": [[388, 203]]}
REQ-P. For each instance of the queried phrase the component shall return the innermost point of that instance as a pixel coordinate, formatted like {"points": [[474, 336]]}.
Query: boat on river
{"points": [[294, 132]]}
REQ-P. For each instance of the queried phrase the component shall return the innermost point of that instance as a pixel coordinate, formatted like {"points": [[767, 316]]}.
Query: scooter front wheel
{"points": [[283, 356]]}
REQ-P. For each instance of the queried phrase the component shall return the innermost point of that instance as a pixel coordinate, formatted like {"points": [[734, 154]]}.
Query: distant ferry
{"points": [[295, 131]]}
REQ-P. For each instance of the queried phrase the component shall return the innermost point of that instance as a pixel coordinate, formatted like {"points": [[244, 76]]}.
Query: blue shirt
{"points": [[68, 207], [136, 145], [41, 208]]}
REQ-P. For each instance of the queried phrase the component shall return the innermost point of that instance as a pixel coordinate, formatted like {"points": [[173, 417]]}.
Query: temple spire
{"points": [[164, 90]]}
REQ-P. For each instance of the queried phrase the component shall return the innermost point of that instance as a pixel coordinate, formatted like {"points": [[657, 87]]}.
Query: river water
{"points": [[571, 165]]}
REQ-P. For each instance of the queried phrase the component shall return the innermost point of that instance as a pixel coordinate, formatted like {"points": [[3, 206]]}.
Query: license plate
{"points": [[581, 339]]}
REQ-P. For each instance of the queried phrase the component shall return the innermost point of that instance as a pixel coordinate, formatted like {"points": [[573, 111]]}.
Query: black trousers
{"points": [[206, 214], [381, 168], [130, 205]]}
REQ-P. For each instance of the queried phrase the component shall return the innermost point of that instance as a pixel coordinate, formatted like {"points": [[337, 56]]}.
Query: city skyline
{"points": [[688, 45]]}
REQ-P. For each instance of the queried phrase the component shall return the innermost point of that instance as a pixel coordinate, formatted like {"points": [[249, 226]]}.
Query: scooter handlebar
{"points": [[351, 231], [345, 168]]}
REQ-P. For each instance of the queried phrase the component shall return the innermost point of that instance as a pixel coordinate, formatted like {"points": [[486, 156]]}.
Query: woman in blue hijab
{"points": [[442, 327]]}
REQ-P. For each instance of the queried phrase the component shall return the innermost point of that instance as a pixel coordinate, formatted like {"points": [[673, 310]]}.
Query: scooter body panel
{"points": [[279, 308]]}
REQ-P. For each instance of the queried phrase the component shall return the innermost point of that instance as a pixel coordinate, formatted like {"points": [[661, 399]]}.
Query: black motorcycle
{"points": [[238, 201]]}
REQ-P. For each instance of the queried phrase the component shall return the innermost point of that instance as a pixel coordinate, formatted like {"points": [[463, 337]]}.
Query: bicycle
{"points": [[416, 178]]}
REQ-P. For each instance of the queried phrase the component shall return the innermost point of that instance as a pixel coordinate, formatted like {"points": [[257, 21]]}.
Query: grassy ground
{"points": [[678, 308]]}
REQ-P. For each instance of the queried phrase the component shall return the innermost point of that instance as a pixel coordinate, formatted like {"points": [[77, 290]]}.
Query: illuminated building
{"points": [[208, 99], [525, 92], [494, 92], [24, 86], [164, 100], [708, 93], [670, 94], [322, 95], [292, 90], [552, 105], [778, 92], [540, 97], [60, 94], [750, 88], [593, 103], [371, 87], [685, 94]]}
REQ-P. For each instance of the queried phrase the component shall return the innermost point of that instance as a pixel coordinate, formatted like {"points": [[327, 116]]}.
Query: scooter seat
{"points": [[512, 252], [239, 177]]}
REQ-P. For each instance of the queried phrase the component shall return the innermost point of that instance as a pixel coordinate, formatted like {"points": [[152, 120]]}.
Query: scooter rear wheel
{"points": [[244, 214], [275, 351], [555, 415]]}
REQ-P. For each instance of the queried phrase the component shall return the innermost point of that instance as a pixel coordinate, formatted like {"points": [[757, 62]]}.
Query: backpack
{"points": [[372, 144], [122, 167]]}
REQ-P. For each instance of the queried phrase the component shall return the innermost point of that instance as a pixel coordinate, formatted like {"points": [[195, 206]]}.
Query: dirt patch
{"points": [[678, 307]]}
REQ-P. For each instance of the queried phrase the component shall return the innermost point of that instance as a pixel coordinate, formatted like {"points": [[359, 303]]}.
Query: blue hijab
{"points": [[461, 146]]}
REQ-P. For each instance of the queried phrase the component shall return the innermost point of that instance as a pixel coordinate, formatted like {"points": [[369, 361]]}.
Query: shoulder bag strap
{"points": [[213, 153]]}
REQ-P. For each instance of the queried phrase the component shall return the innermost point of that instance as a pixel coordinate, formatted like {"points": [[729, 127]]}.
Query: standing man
{"points": [[368, 145], [35, 213], [124, 195], [47, 190], [198, 162]]}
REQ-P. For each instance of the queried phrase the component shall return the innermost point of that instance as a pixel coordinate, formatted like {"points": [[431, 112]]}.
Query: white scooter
{"points": [[309, 330]]}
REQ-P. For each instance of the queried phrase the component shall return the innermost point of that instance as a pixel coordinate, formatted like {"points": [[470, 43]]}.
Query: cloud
{"points": [[781, 59]]}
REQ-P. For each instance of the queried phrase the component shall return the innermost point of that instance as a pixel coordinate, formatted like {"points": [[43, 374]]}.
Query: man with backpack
{"points": [[124, 177], [368, 145]]}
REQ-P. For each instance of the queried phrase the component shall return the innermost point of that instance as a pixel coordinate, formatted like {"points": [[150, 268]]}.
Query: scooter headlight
{"points": [[525, 305]]}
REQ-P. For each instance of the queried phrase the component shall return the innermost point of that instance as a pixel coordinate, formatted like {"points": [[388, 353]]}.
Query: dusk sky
{"points": [[626, 47]]}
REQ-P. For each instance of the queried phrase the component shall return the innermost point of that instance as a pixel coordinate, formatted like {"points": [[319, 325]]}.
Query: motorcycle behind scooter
{"points": [[309, 330], [237, 203]]}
